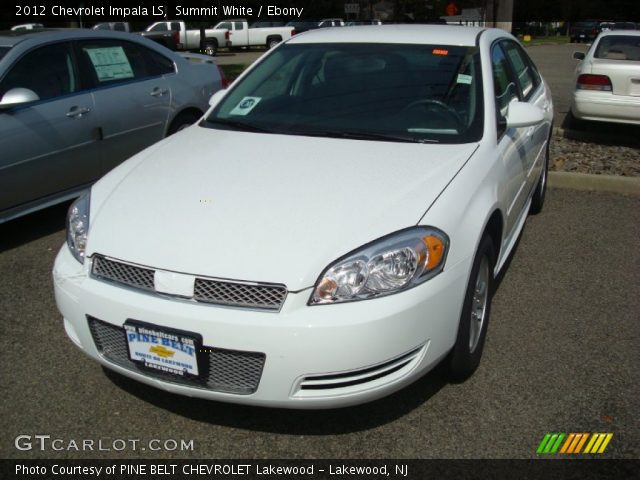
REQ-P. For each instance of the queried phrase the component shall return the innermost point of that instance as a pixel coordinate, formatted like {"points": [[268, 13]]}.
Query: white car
{"points": [[328, 233], [608, 79]]}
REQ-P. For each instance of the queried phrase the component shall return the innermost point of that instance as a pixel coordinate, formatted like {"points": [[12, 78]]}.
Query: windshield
{"points": [[3, 51], [393, 92], [619, 47]]}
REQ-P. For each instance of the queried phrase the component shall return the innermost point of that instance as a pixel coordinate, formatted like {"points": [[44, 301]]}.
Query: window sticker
{"points": [[111, 63], [466, 79], [245, 106]]}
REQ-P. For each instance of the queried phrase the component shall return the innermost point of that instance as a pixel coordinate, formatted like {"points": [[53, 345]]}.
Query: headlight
{"points": [[78, 226], [397, 262]]}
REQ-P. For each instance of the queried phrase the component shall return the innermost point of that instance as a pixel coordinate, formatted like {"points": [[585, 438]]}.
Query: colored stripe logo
{"points": [[573, 443]]}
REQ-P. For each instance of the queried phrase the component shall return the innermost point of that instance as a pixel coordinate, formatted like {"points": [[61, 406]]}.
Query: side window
{"points": [[238, 25], [225, 26], [108, 62], [522, 67], [175, 26], [48, 71], [158, 63], [159, 27], [504, 87]]}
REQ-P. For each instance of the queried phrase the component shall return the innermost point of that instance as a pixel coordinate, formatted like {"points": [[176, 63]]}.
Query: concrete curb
{"points": [[599, 183]]}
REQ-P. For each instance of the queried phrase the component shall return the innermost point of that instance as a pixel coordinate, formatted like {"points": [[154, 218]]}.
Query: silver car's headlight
{"points": [[78, 226], [393, 263]]}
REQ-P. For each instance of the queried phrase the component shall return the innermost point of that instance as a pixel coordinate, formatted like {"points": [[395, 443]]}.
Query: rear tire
{"points": [[182, 121], [211, 49], [272, 43], [464, 359]]}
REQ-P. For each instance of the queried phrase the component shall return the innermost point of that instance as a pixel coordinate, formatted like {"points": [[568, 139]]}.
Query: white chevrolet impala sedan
{"points": [[327, 233]]}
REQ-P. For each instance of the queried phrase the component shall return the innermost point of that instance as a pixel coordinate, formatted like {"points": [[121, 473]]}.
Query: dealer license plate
{"points": [[167, 350]]}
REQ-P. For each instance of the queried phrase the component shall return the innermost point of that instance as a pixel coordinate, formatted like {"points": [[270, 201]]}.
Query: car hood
{"points": [[261, 207]]}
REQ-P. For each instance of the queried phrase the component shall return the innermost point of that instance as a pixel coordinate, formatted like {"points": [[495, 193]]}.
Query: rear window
{"points": [[619, 47]]}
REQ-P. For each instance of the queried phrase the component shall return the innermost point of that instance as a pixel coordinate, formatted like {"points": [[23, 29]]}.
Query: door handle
{"points": [[158, 92], [77, 112]]}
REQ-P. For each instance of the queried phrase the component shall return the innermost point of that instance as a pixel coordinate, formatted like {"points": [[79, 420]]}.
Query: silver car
{"points": [[75, 103]]}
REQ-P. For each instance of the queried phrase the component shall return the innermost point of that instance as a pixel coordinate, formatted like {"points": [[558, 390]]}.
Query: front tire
{"points": [[465, 357]]}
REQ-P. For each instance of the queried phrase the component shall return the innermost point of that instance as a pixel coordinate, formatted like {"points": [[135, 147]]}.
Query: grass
{"points": [[232, 71], [557, 39]]}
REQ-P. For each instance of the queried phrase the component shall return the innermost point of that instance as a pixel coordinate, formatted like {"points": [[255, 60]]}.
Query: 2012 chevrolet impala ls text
{"points": [[328, 233]]}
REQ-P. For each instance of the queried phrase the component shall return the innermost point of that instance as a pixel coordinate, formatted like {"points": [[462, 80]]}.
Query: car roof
{"points": [[43, 35], [421, 34]]}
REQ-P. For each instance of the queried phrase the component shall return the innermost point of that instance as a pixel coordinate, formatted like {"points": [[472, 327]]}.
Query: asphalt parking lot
{"points": [[561, 356]]}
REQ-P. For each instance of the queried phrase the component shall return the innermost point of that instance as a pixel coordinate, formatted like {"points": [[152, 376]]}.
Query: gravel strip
{"points": [[583, 157]]}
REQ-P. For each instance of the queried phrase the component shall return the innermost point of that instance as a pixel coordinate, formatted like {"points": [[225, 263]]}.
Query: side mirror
{"points": [[216, 97], [578, 55], [18, 96], [523, 114]]}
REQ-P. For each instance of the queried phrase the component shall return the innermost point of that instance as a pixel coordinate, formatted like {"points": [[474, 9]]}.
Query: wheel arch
{"points": [[189, 110]]}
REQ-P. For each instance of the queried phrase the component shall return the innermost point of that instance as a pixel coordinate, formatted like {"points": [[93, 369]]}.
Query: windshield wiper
{"points": [[386, 137], [237, 125]]}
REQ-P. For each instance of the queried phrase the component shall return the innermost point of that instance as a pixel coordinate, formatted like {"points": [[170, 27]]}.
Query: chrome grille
{"points": [[228, 293], [125, 273], [269, 297], [229, 371]]}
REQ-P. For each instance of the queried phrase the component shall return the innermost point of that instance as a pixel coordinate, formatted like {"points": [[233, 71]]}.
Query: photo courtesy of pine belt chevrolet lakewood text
{"points": [[328, 232]]}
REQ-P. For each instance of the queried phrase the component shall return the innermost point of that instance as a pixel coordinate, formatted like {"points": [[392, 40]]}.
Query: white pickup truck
{"points": [[241, 35], [190, 39]]}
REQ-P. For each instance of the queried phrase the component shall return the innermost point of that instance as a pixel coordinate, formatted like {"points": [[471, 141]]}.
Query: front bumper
{"points": [[315, 357], [605, 107]]}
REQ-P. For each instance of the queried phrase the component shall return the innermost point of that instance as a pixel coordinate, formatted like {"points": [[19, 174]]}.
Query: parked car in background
{"points": [[185, 39], [608, 79], [606, 26], [241, 35], [363, 22], [224, 264], [116, 26], [625, 26], [584, 31], [331, 22], [76, 103], [26, 26], [301, 26], [268, 23]]}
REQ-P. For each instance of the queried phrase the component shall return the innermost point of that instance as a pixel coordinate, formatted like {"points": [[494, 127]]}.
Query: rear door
{"points": [[48, 146], [131, 93]]}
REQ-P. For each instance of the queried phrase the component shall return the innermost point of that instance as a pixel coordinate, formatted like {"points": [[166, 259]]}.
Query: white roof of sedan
{"points": [[420, 34]]}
